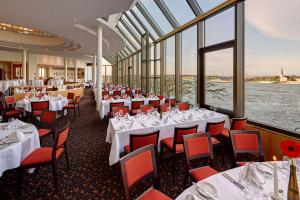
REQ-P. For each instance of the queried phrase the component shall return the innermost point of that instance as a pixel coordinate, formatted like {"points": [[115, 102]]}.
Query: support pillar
{"points": [[24, 67], [76, 71], [66, 69], [99, 65], [94, 70]]}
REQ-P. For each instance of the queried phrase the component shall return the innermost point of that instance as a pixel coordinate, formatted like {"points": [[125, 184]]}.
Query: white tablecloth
{"points": [[55, 104], [119, 139], [11, 155], [227, 190], [105, 109], [36, 82], [56, 82], [4, 85]]}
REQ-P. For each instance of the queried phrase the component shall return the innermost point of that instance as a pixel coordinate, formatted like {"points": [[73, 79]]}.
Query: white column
{"points": [[66, 69], [94, 70], [24, 59], [99, 65], [76, 71]]}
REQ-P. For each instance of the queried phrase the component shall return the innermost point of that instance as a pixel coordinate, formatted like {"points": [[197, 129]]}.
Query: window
{"points": [[157, 68], [129, 24], [170, 68], [152, 70], [219, 78], [180, 10], [157, 15], [41, 72], [130, 36], [135, 22], [272, 64], [189, 65], [220, 28], [207, 5], [145, 22]]}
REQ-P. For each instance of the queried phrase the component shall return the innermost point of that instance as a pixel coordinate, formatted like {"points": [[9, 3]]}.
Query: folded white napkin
{"points": [[165, 120], [191, 116], [14, 137], [131, 124], [127, 116], [250, 174]]}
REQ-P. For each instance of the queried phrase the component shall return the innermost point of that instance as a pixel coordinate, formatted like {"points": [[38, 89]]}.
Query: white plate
{"points": [[207, 187]]}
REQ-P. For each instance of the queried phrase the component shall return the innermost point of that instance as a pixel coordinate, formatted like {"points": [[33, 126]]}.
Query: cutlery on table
{"points": [[237, 184], [205, 191]]}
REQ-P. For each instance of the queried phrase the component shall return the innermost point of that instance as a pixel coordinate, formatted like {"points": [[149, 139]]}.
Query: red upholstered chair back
{"points": [[9, 100], [138, 141], [48, 117], [180, 132], [105, 93], [70, 95], [155, 103], [146, 108], [77, 99], [113, 105], [117, 93], [197, 146], [62, 136], [106, 97], [183, 106], [215, 128], [136, 104], [161, 97], [172, 101], [238, 124], [164, 107], [128, 92], [124, 109], [40, 105], [138, 166]]}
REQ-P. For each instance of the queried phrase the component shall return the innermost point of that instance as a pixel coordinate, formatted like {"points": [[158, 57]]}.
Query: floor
{"points": [[90, 176]]}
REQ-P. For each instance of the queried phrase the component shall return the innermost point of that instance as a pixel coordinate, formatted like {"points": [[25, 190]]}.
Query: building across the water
{"points": [[282, 77]]}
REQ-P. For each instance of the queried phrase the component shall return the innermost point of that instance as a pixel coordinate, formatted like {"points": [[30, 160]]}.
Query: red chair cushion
{"points": [[127, 149], [225, 132], [37, 112], [169, 143], [202, 173], [153, 194], [13, 112], [41, 155], [43, 132], [214, 141]]}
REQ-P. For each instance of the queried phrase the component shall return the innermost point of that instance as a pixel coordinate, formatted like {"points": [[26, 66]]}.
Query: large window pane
{"points": [[132, 39], [207, 5], [272, 49], [128, 23], [170, 68], [145, 22], [189, 65], [157, 67], [135, 22], [220, 28], [180, 10], [157, 15], [219, 79]]}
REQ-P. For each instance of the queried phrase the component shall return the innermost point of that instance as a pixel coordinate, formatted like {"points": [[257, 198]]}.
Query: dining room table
{"points": [[119, 128], [259, 183], [105, 104], [56, 103], [17, 140]]}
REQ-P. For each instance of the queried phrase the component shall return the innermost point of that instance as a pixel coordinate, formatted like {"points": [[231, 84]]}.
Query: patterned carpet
{"points": [[90, 176]]}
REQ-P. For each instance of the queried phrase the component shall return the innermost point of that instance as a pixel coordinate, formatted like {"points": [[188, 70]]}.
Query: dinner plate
{"points": [[208, 188]]}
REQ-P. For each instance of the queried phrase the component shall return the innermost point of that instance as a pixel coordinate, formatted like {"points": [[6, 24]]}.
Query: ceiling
{"points": [[59, 16]]}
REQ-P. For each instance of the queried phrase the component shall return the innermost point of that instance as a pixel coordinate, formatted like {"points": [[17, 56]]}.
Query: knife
{"points": [[240, 186], [206, 192]]}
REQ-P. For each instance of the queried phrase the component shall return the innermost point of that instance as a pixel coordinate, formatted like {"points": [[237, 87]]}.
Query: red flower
{"points": [[290, 148]]}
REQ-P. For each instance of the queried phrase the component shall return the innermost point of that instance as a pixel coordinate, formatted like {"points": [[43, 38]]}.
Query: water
{"points": [[273, 104]]}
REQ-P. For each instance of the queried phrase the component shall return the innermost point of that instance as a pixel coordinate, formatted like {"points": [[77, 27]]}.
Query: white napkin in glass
{"points": [[14, 137]]}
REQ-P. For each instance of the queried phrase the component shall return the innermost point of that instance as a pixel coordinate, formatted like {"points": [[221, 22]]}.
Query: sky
{"points": [[272, 36]]}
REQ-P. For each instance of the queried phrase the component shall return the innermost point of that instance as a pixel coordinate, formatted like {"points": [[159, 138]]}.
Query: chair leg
{"points": [[19, 180], [54, 176]]}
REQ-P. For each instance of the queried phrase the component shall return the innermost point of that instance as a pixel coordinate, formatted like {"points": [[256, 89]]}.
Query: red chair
{"points": [[107, 97], [124, 109], [10, 102], [37, 107], [7, 114], [117, 93], [236, 124], [198, 146], [47, 123], [183, 106], [154, 103], [246, 142], [215, 130], [46, 156], [112, 105], [135, 106], [128, 92], [171, 101], [73, 106], [164, 107], [175, 144], [70, 97], [138, 141], [146, 108], [105, 93], [138, 91], [138, 166], [160, 97]]}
